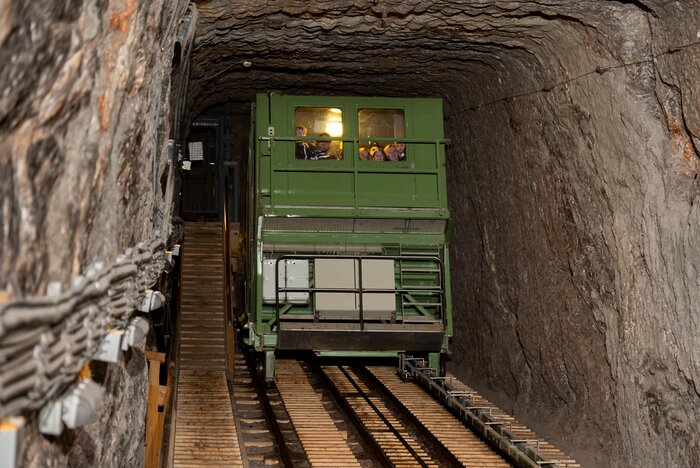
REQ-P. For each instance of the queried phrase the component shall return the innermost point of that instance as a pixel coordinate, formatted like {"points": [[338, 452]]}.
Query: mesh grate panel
{"points": [[308, 224], [360, 226], [196, 150], [427, 226], [381, 226]]}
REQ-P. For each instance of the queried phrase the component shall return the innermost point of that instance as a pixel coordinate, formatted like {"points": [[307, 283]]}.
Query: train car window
{"points": [[381, 124], [324, 122]]}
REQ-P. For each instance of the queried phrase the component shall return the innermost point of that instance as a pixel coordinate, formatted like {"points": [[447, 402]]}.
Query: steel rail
{"points": [[229, 334], [268, 411], [381, 416], [432, 442], [477, 418]]}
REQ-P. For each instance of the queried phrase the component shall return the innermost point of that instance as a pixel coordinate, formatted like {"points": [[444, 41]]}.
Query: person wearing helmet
{"points": [[364, 154], [376, 153]]}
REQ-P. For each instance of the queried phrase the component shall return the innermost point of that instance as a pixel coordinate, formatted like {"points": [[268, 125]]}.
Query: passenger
{"points": [[364, 154], [303, 151], [391, 152], [376, 153], [402, 150], [322, 148]]}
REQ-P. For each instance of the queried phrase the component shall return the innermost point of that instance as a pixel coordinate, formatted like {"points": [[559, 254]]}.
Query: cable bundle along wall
{"points": [[44, 342]]}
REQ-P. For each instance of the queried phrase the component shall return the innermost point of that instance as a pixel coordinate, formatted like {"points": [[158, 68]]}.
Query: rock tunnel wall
{"points": [[575, 199], [84, 120], [573, 182], [84, 117]]}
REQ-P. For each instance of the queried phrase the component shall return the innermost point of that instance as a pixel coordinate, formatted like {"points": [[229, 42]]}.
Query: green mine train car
{"points": [[348, 228]]}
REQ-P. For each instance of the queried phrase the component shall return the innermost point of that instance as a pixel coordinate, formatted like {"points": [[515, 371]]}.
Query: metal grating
{"points": [[205, 123], [427, 226], [382, 226], [199, 183], [360, 226], [308, 224]]}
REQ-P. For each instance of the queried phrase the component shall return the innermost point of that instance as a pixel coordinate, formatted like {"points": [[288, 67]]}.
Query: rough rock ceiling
{"points": [[388, 47]]}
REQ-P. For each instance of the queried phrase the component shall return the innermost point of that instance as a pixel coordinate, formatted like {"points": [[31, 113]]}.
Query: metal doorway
{"points": [[212, 166], [201, 185]]}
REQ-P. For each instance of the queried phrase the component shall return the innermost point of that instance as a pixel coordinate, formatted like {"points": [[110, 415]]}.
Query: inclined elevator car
{"points": [[348, 228]]}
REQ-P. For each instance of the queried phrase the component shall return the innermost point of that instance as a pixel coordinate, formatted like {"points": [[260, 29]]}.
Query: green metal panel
{"points": [[398, 190], [313, 188], [348, 238]]}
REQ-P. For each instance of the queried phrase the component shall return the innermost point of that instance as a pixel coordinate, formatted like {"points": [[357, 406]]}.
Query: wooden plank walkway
{"points": [[205, 432]]}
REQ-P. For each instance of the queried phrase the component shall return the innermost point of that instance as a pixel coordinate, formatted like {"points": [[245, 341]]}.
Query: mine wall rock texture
{"points": [[576, 209], [573, 177], [83, 123], [84, 118]]}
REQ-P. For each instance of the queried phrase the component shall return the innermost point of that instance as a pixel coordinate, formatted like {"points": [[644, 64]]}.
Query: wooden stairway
{"points": [[205, 431]]}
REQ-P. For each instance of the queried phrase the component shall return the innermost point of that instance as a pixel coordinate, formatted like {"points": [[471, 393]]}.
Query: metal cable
{"points": [[45, 341]]}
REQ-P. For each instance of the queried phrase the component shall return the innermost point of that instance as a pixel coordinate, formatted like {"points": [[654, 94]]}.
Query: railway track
{"points": [[324, 443], [395, 443], [466, 447], [332, 416], [523, 434], [368, 416], [391, 434], [316, 416], [266, 434]]}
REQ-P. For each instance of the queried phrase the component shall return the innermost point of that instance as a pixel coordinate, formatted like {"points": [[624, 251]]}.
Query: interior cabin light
{"points": [[334, 124], [334, 129]]}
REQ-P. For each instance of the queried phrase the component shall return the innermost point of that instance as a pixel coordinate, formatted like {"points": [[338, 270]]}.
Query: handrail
{"points": [[360, 290], [425, 141], [228, 302]]}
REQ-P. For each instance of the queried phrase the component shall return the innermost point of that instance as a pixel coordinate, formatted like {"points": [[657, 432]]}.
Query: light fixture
{"points": [[334, 124], [334, 128]]}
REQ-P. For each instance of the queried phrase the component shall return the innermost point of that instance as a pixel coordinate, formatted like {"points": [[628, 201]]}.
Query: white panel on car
{"points": [[269, 280], [378, 274], [297, 277], [343, 273], [291, 274], [336, 273]]}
